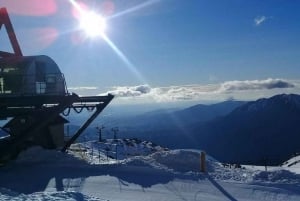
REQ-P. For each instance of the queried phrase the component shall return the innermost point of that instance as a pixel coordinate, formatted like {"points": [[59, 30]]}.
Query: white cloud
{"points": [[247, 89], [130, 91], [260, 19], [82, 88], [270, 83]]}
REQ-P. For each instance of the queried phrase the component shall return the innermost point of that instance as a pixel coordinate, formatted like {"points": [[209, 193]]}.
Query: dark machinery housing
{"points": [[33, 95], [28, 76]]}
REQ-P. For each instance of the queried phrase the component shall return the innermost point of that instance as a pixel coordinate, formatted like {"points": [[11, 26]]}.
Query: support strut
{"points": [[99, 109]]}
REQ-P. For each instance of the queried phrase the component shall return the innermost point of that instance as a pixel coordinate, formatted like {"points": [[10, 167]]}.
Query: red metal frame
{"points": [[5, 20]]}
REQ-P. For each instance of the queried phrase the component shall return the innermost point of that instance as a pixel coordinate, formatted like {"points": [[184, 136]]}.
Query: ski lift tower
{"points": [[33, 97]]}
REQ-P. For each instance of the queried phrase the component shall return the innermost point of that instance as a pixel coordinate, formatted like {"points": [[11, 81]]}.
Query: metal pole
{"points": [[116, 151], [99, 153], [100, 128], [202, 161], [115, 131]]}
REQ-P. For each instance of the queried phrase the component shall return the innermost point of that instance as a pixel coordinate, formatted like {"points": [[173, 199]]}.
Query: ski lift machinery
{"points": [[33, 95]]}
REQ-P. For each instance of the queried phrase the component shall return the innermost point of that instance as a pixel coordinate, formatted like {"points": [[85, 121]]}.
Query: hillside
{"points": [[171, 175], [256, 132], [262, 131], [153, 125], [168, 118]]}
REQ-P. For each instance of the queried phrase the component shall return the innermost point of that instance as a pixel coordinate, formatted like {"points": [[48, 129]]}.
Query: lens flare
{"points": [[92, 24], [31, 7], [128, 63]]}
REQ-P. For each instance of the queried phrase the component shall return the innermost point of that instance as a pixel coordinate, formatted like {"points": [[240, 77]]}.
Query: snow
{"points": [[293, 164], [68, 196], [113, 150], [143, 171]]}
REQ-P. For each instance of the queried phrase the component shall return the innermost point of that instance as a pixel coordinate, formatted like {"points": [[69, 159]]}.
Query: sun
{"points": [[93, 24]]}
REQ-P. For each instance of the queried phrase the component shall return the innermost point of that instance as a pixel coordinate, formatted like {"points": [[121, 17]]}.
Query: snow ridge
{"points": [[143, 171]]}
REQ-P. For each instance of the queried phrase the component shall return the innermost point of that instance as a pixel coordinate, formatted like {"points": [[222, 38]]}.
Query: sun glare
{"points": [[92, 24]]}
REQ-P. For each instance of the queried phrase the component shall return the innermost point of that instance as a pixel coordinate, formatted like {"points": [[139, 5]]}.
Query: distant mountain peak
{"points": [[280, 100], [288, 98]]}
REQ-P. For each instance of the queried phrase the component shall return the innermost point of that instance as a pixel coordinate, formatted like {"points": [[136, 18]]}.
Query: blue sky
{"points": [[175, 50]]}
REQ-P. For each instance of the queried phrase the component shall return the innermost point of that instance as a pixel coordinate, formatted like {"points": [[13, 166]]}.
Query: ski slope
{"points": [[148, 172]]}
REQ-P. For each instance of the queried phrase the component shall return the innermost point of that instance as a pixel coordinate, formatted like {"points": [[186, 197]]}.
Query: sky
{"points": [[167, 51]]}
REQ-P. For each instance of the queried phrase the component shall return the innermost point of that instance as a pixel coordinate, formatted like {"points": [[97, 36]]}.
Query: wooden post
{"points": [[202, 161]]}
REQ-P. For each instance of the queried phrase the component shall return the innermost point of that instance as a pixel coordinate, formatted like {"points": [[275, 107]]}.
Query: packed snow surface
{"points": [[136, 170]]}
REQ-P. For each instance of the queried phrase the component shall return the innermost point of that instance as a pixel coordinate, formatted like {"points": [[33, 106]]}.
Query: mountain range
{"points": [[265, 131]]}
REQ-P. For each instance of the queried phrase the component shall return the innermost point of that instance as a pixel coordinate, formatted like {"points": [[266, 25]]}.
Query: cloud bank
{"points": [[131, 91], [255, 85], [82, 88], [197, 92]]}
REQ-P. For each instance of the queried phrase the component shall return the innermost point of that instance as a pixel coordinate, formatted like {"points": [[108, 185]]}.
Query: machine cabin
{"points": [[30, 76]]}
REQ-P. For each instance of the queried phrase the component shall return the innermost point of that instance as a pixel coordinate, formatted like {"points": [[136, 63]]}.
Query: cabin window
{"points": [[40, 71], [51, 83], [40, 87], [50, 79], [8, 69], [1, 86], [10, 80]]}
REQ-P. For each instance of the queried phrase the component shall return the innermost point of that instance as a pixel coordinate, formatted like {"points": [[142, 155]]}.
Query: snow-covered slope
{"points": [[112, 150], [293, 164], [61, 195], [154, 174]]}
